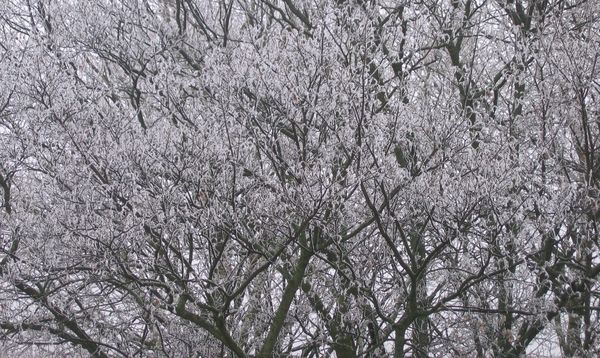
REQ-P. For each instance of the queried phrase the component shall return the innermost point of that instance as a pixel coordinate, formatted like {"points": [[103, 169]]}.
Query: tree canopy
{"points": [[280, 178]]}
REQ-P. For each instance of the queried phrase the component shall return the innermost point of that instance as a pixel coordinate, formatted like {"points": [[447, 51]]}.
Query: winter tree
{"points": [[280, 178]]}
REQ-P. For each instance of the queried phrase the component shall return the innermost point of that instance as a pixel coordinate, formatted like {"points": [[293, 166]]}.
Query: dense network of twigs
{"points": [[315, 178]]}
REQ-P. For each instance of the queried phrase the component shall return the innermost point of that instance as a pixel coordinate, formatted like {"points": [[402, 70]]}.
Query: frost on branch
{"points": [[273, 178]]}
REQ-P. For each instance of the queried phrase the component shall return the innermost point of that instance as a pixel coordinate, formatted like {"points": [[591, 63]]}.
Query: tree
{"points": [[269, 178]]}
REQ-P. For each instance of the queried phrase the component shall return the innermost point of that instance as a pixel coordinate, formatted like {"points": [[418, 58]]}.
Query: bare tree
{"points": [[270, 178]]}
